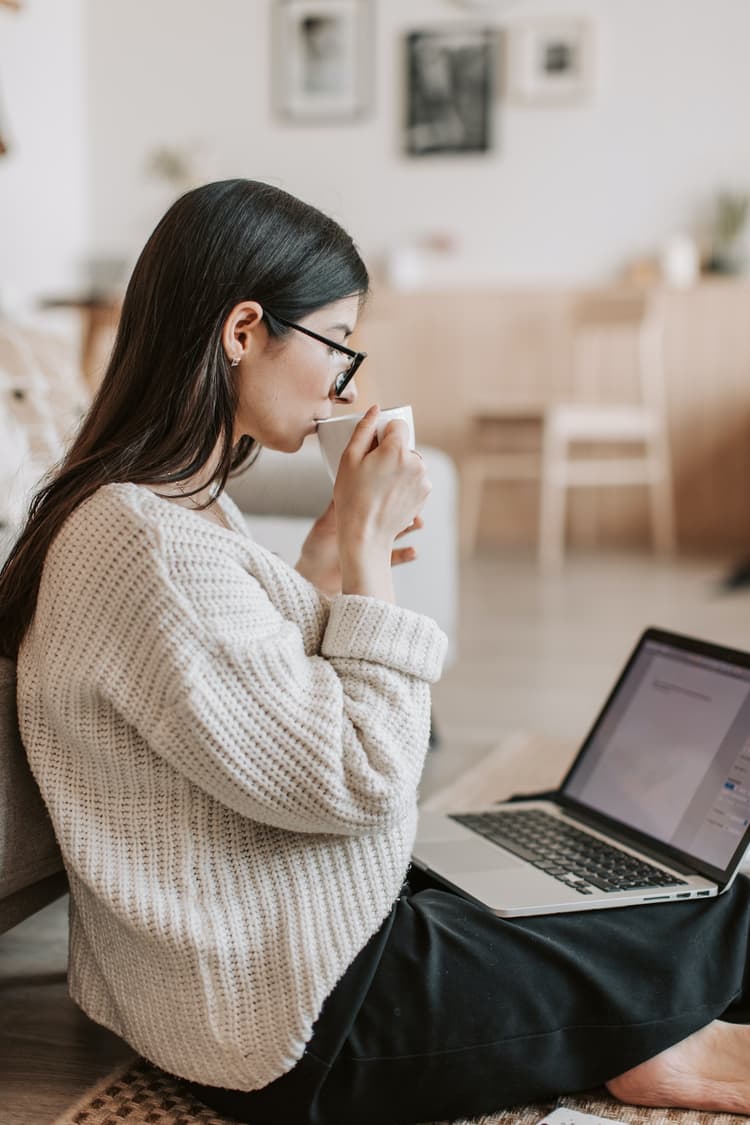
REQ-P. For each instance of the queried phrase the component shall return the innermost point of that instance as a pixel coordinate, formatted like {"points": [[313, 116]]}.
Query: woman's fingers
{"points": [[380, 487], [397, 431], [363, 436], [403, 555], [415, 525]]}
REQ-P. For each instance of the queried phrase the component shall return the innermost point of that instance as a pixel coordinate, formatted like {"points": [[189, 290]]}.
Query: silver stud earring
{"points": [[235, 361]]}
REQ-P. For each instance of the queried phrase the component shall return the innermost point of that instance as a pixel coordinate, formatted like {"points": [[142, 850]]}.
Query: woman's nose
{"points": [[348, 395]]}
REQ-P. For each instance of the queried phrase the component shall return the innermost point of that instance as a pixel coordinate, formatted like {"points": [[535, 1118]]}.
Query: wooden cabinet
{"points": [[445, 351]]}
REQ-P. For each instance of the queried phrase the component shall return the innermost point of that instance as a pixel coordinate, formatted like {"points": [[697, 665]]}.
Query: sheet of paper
{"points": [[563, 1116]]}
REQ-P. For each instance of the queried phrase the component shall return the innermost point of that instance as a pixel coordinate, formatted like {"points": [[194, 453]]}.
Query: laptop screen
{"points": [[670, 755]]}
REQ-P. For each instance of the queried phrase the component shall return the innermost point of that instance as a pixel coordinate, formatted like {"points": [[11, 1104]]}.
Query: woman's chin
{"points": [[288, 443]]}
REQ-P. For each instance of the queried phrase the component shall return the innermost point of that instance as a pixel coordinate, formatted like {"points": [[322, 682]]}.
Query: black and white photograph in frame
{"points": [[322, 59], [449, 90], [551, 61]]}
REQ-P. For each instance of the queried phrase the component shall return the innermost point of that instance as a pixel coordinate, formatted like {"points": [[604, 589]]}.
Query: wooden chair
{"points": [[562, 443]]}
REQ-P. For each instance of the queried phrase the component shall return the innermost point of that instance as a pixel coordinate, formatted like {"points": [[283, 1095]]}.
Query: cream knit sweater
{"points": [[231, 762]]}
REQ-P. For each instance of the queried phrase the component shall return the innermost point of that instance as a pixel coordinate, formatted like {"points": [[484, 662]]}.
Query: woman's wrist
{"points": [[325, 579], [366, 570]]}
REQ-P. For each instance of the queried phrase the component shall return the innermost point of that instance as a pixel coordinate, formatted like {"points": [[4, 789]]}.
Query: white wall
{"points": [[567, 194], [44, 176]]}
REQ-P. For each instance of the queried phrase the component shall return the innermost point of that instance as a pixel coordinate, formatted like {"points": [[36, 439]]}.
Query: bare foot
{"points": [[709, 1070]]}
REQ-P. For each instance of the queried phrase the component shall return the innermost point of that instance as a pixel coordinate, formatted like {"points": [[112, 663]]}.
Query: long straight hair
{"points": [[169, 395]]}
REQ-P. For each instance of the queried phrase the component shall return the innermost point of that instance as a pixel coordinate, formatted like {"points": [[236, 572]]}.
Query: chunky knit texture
{"points": [[230, 760]]}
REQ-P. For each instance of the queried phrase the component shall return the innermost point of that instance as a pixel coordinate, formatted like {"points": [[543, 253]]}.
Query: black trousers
{"points": [[452, 1012]]}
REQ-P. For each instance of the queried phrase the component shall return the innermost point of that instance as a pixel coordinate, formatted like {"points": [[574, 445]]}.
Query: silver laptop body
{"points": [[662, 779]]}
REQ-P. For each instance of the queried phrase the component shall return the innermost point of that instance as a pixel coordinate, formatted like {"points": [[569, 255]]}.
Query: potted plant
{"points": [[729, 218]]}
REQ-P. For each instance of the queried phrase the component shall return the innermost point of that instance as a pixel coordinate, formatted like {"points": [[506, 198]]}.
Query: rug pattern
{"points": [[141, 1094]]}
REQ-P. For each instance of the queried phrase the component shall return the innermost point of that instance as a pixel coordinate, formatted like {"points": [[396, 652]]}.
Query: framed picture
{"points": [[449, 90], [550, 61], [322, 59]]}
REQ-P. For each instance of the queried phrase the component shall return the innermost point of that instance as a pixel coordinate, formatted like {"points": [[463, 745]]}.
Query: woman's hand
{"points": [[319, 562], [380, 489]]}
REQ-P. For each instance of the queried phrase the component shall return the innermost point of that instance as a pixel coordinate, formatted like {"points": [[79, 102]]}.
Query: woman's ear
{"points": [[242, 331]]}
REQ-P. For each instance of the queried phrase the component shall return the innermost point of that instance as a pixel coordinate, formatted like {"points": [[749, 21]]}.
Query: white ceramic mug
{"points": [[334, 434]]}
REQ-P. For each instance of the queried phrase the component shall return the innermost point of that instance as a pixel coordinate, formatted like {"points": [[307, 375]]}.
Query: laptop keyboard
{"points": [[569, 854]]}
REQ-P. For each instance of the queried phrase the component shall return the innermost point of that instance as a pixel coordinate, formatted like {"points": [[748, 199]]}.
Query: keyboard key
{"points": [[571, 855]]}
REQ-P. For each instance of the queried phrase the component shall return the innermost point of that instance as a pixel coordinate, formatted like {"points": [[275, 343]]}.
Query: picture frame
{"points": [[450, 83], [550, 61], [322, 60]]}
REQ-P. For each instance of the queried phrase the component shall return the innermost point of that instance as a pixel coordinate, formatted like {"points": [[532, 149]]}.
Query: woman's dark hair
{"points": [[169, 395]]}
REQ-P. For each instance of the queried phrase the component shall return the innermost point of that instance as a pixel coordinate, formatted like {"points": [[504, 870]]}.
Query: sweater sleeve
{"points": [[220, 681]]}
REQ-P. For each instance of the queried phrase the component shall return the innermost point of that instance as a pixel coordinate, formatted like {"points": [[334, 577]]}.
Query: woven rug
{"points": [[140, 1094]]}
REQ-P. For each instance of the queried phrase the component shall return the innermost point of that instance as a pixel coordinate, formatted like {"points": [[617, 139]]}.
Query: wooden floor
{"points": [[533, 654]]}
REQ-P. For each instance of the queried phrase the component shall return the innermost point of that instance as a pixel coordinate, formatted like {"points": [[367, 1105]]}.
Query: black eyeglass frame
{"points": [[342, 381]]}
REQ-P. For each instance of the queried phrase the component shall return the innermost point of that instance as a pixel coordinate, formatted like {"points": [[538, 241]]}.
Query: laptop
{"points": [[654, 808]]}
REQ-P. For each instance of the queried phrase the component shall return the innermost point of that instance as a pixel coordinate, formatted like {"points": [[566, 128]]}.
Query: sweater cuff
{"points": [[361, 628]]}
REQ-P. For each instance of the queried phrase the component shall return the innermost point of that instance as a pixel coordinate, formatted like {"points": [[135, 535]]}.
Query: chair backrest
{"points": [[617, 350]]}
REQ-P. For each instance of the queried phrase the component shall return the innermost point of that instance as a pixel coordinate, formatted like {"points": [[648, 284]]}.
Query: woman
{"points": [[230, 748]]}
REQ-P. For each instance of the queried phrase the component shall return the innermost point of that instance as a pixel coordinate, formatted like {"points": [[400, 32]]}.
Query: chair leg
{"points": [[552, 527], [552, 507], [661, 497], [472, 481]]}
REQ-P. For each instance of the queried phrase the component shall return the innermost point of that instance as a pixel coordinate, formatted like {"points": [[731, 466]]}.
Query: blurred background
{"points": [[572, 183], [104, 100]]}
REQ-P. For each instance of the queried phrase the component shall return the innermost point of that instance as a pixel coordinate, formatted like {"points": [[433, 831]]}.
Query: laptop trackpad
{"points": [[470, 855]]}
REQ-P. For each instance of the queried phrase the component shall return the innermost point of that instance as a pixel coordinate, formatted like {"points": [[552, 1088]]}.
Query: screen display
{"points": [[671, 756]]}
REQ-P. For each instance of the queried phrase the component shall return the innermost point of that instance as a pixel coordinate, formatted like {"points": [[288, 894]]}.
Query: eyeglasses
{"points": [[345, 377]]}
